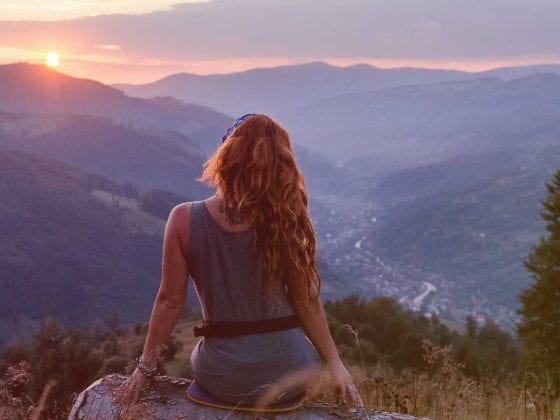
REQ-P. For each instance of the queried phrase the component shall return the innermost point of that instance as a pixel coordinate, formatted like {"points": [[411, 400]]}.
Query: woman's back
{"points": [[258, 184], [228, 275]]}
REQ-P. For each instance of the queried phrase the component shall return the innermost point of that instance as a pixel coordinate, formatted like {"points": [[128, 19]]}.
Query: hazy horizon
{"points": [[96, 77], [139, 42]]}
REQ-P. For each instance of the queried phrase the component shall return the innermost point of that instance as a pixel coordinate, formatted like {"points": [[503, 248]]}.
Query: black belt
{"points": [[236, 328]]}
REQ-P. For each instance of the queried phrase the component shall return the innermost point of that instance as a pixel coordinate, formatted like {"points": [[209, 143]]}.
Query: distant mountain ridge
{"points": [[274, 90], [31, 88], [157, 143], [271, 90], [426, 122]]}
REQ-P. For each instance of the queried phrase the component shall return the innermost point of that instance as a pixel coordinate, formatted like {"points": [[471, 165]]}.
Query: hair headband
{"points": [[235, 124]]}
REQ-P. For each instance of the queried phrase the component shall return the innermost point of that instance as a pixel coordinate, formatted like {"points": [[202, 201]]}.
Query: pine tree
{"points": [[539, 329]]}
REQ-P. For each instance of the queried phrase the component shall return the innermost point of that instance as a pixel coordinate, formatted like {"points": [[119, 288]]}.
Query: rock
{"points": [[166, 399]]}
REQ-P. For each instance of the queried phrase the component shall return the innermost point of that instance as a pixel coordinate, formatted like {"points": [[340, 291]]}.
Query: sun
{"points": [[52, 59]]}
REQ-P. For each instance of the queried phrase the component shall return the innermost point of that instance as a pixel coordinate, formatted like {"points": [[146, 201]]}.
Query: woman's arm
{"points": [[171, 296], [314, 322], [170, 299]]}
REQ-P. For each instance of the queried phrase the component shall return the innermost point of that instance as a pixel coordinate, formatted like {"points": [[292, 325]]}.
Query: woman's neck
{"points": [[230, 218]]}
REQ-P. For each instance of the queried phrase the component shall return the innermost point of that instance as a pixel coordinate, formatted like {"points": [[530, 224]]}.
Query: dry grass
{"points": [[13, 400], [443, 392], [422, 395]]}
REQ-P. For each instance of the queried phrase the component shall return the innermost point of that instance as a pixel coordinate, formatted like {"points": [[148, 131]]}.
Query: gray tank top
{"points": [[227, 273]]}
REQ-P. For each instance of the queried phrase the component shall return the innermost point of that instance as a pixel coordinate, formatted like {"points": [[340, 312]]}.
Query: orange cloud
{"points": [[108, 47]]}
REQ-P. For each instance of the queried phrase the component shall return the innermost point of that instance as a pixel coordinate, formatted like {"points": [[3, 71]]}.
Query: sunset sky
{"points": [[143, 40]]}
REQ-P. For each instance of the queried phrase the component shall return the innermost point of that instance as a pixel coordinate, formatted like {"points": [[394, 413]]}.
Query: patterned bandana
{"points": [[235, 124]]}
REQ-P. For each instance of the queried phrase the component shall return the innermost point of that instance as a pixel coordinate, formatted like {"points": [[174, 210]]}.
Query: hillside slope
{"points": [[148, 159], [29, 88], [73, 243]]}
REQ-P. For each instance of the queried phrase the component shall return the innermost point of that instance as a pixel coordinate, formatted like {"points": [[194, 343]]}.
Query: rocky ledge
{"points": [[166, 399]]}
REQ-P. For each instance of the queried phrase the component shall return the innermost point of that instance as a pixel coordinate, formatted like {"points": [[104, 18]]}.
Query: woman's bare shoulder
{"points": [[182, 209], [181, 215], [179, 219]]}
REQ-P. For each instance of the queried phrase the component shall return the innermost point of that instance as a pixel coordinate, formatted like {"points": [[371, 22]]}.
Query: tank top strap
{"points": [[196, 214]]}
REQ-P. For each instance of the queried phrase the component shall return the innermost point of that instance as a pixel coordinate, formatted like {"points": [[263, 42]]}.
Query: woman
{"points": [[250, 250]]}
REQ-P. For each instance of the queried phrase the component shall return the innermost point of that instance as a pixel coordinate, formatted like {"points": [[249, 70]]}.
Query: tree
{"points": [[65, 355], [57, 353], [539, 329]]}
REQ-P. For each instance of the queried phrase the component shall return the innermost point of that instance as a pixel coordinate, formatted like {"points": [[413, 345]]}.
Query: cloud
{"points": [[50, 10], [108, 47], [229, 29]]}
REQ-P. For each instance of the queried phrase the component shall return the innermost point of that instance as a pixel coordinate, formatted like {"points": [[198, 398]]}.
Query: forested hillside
{"points": [[74, 244]]}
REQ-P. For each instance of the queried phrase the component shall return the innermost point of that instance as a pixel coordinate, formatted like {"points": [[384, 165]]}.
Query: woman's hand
{"points": [[344, 383], [129, 391]]}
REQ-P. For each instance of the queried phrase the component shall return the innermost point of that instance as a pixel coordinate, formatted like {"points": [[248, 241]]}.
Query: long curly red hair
{"points": [[256, 174]]}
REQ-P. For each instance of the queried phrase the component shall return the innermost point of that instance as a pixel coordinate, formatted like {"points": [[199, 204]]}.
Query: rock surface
{"points": [[166, 399]]}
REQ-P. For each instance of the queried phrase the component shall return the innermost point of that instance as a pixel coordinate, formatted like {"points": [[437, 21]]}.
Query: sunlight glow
{"points": [[52, 59]]}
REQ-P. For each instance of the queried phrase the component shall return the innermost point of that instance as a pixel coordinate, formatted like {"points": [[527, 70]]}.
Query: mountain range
{"points": [[411, 125], [424, 185], [156, 143], [37, 89], [277, 89], [447, 180]]}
